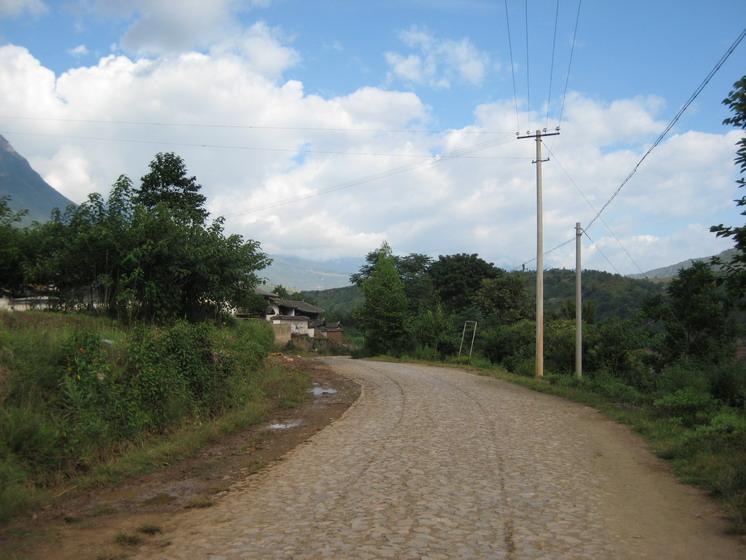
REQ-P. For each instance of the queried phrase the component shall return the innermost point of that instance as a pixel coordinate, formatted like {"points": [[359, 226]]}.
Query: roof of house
{"points": [[289, 318], [299, 305]]}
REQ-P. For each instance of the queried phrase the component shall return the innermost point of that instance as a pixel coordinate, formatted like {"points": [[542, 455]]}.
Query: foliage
{"points": [[503, 298], [142, 254], [11, 247], [736, 268], [694, 315], [76, 388], [281, 291], [384, 313], [167, 184], [688, 405], [457, 278], [435, 333]]}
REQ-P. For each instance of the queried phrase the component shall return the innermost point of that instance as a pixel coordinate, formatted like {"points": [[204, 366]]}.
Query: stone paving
{"points": [[436, 463]]}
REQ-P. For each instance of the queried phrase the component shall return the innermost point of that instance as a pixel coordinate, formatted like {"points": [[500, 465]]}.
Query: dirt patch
{"points": [[110, 523]]}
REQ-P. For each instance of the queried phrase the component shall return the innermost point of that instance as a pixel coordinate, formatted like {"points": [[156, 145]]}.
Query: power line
{"points": [[512, 66], [553, 249], [248, 148], [253, 126], [528, 71], [569, 64], [672, 122], [593, 208], [598, 248], [375, 177], [551, 68]]}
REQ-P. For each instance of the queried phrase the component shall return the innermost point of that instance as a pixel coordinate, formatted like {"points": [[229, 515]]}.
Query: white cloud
{"points": [[80, 50], [437, 62], [68, 171], [469, 204], [161, 26], [15, 8]]}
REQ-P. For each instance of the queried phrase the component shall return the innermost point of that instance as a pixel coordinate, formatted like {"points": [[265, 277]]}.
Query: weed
{"points": [[127, 539], [149, 529]]}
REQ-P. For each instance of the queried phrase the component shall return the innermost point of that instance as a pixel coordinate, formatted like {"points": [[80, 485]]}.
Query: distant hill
{"points": [[26, 188], [298, 274], [612, 295], [338, 303], [668, 272]]}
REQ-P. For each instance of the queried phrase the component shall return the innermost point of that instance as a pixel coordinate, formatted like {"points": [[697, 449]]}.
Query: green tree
{"points": [[736, 268], [167, 183], [384, 313], [695, 315], [11, 247], [503, 299], [458, 278], [281, 291]]}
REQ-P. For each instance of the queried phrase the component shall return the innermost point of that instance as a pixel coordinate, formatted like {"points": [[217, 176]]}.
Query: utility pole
{"points": [[539, 372], [578, 306]]}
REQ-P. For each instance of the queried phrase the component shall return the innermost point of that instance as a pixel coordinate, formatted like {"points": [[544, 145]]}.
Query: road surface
{"points": [[438, 463]]}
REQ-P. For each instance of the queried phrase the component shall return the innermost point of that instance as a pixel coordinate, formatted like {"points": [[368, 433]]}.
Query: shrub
{"points": [[689, 405]]}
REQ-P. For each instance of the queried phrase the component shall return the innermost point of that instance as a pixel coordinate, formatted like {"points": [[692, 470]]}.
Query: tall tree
{"points": [[695, 316], [384, 313], [11, 247], [504, 298], [458, 278], [168, 183], [736, 268]]}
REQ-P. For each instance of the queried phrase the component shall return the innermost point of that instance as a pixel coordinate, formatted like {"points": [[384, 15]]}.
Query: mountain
{"points": [[668, 272], [26, 188], [299, 274]]}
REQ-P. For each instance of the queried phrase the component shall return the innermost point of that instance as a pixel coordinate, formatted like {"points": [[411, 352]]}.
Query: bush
{"points": [[689, 405], [70, 403]]}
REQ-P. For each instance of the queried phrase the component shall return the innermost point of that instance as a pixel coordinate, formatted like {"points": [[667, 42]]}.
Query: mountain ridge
{"points": [[25, 187]]}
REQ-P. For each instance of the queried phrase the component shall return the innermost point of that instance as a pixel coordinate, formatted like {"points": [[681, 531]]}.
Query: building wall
{"points": [[282, 333]]}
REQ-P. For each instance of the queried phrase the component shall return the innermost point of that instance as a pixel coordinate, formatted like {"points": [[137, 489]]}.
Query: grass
{"points": [[149, 529], [711, 456], [127, 539], [85, 402]]}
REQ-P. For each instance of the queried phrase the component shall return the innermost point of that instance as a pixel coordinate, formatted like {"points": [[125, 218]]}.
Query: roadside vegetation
{"points": [[662, 358], [84, 396], [139, 363]]}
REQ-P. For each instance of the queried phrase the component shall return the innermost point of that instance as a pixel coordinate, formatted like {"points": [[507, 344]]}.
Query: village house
{"points": [[296, 318]]}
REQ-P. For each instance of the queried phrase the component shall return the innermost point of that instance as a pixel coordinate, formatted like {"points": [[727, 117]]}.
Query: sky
{"points": [[322, 129]]}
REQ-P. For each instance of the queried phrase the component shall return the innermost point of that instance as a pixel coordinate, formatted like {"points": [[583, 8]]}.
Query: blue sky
{"points": [[434, 64]]}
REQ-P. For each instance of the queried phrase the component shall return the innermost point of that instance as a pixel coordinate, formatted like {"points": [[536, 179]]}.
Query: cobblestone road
{"points": [[436, 463]]}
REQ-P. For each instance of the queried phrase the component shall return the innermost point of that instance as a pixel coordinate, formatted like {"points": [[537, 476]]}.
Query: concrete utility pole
{"points": [[578, 306], [539, 250]]}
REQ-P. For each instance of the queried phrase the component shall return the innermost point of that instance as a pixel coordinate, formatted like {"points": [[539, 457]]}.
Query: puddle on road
{"points": [[322, 391], [285, 425]]}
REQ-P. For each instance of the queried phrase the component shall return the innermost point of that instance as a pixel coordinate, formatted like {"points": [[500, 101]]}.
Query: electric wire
{"points": [[253, 126], [671, 123], [512, 66], [551, 67], [528, 74], [601, 252], [375, 177], [593, 208], [569, 65], [552, 250], [247, 148]]}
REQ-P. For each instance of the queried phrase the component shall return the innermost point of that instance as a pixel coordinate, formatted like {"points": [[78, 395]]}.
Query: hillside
{"points": [[668, 272], [337, 302], [612, 295], [25, 187], [302, 274]]}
